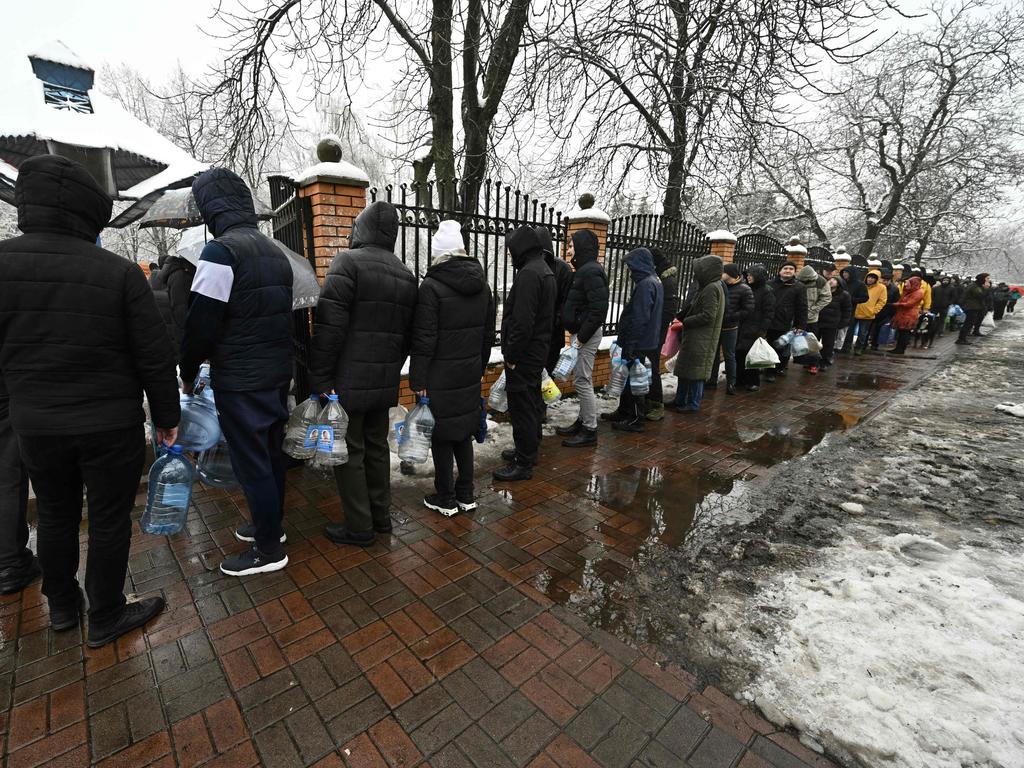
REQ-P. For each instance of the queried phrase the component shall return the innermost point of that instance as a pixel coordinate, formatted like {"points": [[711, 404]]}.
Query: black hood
{"points": [[376, 225], [224, 200], [584, 246], [463, 274], [546, 244], [759, 273], [524, 245], [57, 195]]}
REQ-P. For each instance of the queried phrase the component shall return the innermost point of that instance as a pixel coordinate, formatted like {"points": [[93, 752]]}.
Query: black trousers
{"points": [[448, 453], [903, 339], [746, 377], [632, 405], [364, 482], [525, 409], [253, 424], [828, 344], [14, 551], [972, 325], [998, 309], [109, 466]]}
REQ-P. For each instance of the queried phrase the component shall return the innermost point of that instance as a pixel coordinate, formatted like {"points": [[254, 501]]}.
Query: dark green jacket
{"points": [[974, 299], [702, 321]]}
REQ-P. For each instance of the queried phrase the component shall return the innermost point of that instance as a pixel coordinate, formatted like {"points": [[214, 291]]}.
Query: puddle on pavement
{"points": [[665, 505], [867, 381]]}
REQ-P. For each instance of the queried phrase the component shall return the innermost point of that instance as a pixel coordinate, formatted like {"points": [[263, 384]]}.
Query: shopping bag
{"points": [[800, 345], [988, 321], [761, 355], [673, 340], [813, 345]]}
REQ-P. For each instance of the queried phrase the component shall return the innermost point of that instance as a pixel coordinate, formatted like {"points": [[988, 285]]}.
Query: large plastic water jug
{"points": [[566, 363], [497, 400], [619, 374], [299, 440], [396, 423], [214, 467], [331, 428], [419, 429], [639, 378], [199, 428], [170, 493]]}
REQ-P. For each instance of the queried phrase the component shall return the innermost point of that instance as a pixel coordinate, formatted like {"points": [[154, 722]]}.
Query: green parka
{"points": [[702, 321]]}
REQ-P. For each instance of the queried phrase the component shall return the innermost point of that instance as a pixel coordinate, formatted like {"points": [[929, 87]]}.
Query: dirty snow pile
{"points": [[1012, 409]]}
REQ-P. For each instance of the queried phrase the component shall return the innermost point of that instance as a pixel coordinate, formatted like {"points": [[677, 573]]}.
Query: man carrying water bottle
{"points": [[81, 338], [240, 319]]}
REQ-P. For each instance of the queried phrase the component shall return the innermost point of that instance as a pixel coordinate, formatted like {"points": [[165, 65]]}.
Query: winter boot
{"points": [[509, 455], [511, 472], [572, 429], [585, 438], [615, 415], [656, 412]]}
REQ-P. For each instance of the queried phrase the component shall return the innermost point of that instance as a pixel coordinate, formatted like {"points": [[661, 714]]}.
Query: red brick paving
{"points": [[445, 644]]}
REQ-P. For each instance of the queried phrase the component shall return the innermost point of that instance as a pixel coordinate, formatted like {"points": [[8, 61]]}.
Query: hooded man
{"points": [[583, 315], [754, 326], [858, 295], [76, 389], [865, 313], [1000, 298], [702, 326], [818, 297], [526, 322], [892, 296], [240, 319], [452, 336], [639, 331], [942, 298], [790, 314], [563, 279], [360, 341]]}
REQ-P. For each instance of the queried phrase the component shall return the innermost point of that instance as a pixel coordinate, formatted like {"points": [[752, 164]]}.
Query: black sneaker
{"points": [[16, 579], [340, 534], [447, 507], [253, 561], [615, 416], [585, 439], [63, 618], [247, 533], [133, 616], [636, 425], [511, 472], [466, 503], [572, 429]]}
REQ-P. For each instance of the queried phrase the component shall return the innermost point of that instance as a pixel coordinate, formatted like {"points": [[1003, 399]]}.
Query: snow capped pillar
{"points": [[337, 193], [796, 252], [723, 245], [586, 216], [841, 258]]}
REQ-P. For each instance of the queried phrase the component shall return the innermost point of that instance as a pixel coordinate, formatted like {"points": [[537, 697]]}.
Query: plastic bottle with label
{"points": [[639, 378], [497, 400], [169, 494], [332, 426], [396, 423], [417, 433], [299, 442], [566, 363]]}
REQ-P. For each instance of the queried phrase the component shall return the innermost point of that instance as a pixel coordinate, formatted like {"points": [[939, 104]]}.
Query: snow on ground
{"points": [[1014, 409]]}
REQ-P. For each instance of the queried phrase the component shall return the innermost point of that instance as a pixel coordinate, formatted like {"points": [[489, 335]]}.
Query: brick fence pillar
{"points": [[337, 192], [723, 245], [841, 258], [796, 252], [586, 216]]}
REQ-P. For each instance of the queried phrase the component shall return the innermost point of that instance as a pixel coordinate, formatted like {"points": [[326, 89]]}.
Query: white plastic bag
{"points": [[549, 390], [988, 321], [761, 355], [813, 345], [497, 400]]}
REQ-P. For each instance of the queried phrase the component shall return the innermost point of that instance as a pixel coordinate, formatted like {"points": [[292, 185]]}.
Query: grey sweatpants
{"points": [[583, 380]]}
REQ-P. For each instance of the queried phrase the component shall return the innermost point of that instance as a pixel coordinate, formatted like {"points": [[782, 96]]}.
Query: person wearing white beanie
{"points": [[447, 242]]}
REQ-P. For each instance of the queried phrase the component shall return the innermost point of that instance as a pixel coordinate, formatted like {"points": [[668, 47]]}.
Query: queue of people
{"points": [[84, 340]]}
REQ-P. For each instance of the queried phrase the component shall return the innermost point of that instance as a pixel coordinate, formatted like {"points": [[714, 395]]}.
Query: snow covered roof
{"points": [[721, 236], [588, 214], [40, 117], [339, 171]]}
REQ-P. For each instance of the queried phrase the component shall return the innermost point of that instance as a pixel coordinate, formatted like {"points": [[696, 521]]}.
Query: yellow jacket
{"points": [[877, 298]]}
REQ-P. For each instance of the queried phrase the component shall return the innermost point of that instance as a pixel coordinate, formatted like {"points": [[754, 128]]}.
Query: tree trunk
{"points": [[673, 200], [441, 101], [475, 166], [871, 232]]}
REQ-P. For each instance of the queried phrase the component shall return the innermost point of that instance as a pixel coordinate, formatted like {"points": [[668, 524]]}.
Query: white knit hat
{"points": [[447, 238]]}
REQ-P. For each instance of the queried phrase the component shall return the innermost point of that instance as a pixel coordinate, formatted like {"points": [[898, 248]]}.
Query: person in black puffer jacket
{"points": [[858, 291], [177, 274], [526, 322], [240, 319], [158, 284], [754, 326], [360, 339], [452, 336], [563, 281], [739, 303], [583, 315], [836, 314], [81, 339], [790, 313]]}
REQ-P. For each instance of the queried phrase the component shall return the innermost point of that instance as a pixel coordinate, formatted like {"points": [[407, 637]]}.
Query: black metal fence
{"points": [[819, 256], [680, 241], [759, 249], [293, 226]]}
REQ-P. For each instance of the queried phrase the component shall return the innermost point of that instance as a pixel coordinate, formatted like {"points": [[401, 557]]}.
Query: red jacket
{"points": [[908, 308]]}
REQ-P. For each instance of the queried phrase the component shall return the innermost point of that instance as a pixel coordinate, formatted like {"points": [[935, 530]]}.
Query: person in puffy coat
{"points": [[668, 274], [834, 316], [865, 313], [583, 315], [452, 334], [908, 311], [360, 341], [942, 298], [1000, 298], [858, 295], [526, 322], [739, 302], [790, 314], [754, 326], [974, 302], [639, 331], [81, 340], [563, 281], [818, 295], [702, 326], [892, 296]]}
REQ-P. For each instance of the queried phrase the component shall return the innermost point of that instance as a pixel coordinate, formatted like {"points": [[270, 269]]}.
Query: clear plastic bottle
{"points": [[419, 428], [199, 428], [618, 378], [214, 467], [396, 421], [332, 426], [299, 440], [170, 493], [566, 363], [204, 387], [549, 390], [498, 398], [639, 378]]}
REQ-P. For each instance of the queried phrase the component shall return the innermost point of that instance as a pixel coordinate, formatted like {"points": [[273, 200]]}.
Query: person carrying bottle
{"points": [[240, 319], [452, 336], [583, 315], [360, 341], [76, 388], [526, 321], [790, 314]]}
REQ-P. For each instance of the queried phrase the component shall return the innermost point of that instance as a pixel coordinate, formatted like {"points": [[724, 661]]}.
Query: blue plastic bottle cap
{"points": [[176, 449], [332, 397], [425, 400], [314, 396]]}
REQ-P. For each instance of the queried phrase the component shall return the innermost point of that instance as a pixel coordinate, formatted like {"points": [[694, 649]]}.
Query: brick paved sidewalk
{"points": [[446, 644]]}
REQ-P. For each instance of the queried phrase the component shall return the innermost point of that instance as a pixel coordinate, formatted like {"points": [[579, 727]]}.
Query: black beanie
{"points": [[731, 270]]}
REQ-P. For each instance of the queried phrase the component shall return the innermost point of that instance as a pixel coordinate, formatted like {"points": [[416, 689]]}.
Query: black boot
{"points": [[133, 616], [572, 429], [615, 415], [635, 424], [585, 438], [509, 455], [730, 388], [511, 472]]}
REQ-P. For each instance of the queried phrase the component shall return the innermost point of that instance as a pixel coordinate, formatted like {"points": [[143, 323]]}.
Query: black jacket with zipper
{"points": [[529, 310], [586, 306]]}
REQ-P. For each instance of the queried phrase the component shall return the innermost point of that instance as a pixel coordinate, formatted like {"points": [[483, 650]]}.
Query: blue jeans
{"points": [[727, 348], [862, 328], [689, 394]]}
